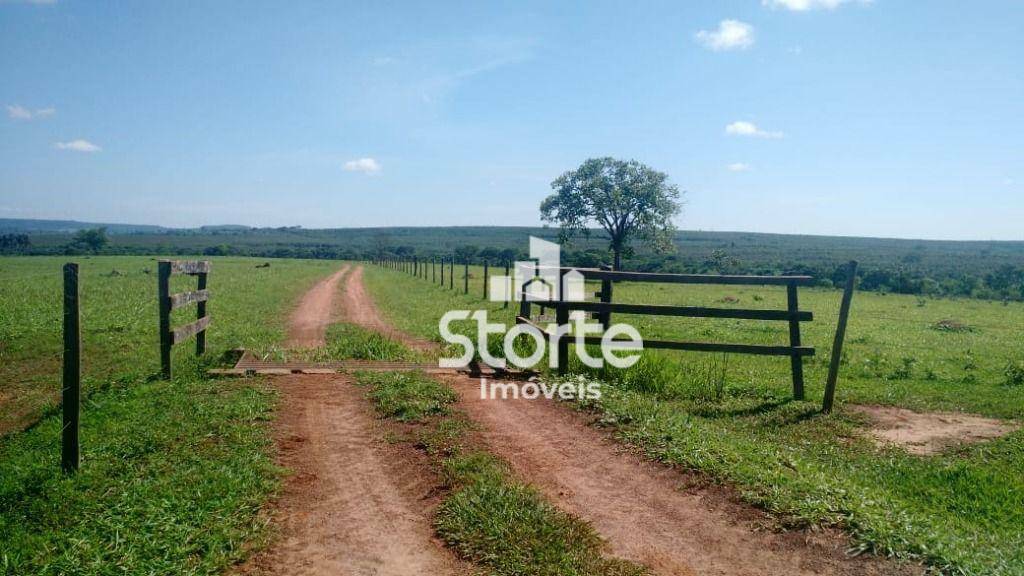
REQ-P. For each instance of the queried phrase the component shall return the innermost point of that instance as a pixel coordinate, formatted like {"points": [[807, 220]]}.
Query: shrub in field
{"points": [[650, 375], [1014, 373], [905, 370]]}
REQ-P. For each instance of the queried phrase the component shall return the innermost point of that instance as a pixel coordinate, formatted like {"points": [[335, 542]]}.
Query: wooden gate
{"points": [[792, 315], [168, 302]]}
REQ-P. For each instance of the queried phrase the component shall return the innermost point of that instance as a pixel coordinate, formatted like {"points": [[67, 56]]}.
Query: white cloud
{"points": [[805, 5], [364, 165], [743, 128], [77, 146], [730, 35], [738, 167], [21, 113]]}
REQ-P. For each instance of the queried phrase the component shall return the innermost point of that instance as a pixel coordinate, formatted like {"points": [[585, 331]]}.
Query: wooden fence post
{"points": [[164, 297], [837, 344], [451, 274], [606, 297], [511, 284], [465, 278], [71, 394], [442, 272], [433, 269], [796, 361], [562, 319], [485, 279], [200, 314]]}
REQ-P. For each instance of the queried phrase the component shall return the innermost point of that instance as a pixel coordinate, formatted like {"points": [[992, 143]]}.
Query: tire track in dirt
{"points": [[358, 308], [643, 509], [308, 323], [351, 505]]}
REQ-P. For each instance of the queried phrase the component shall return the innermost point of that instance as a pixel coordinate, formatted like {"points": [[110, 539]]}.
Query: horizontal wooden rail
{"points": [[190, 267], [616, 276], [685, 311], [755, 349], [187, 331], [186, 298]]}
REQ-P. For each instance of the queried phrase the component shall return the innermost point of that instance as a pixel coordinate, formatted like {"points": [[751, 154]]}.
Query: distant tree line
{"points": [[14, 243], [944, 271]]}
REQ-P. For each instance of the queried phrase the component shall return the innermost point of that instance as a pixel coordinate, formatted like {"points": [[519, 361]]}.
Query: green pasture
{"points": [[733, 417], [173, 472]]}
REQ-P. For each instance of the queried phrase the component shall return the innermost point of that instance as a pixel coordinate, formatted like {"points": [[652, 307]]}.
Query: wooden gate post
{"points": [[164, 298], [796, 360], [200, 314], [837, 344], [71, 386]]}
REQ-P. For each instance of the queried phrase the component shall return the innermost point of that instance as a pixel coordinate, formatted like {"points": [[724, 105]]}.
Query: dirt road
{"points": [[351, 506], [309, 321], [359, 308], [354, 507]]}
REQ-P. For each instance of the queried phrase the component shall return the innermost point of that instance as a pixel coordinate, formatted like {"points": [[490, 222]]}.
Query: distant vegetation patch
{"points": [[950, 325]]}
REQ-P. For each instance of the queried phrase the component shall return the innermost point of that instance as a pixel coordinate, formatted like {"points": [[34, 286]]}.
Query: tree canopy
{"points": [[627, 199]]}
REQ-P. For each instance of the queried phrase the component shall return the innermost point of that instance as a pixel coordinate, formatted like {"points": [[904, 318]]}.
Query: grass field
{"points": [[732, 417], [173, 473]]}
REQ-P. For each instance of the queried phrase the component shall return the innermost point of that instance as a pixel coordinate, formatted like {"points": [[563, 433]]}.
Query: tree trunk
{"points": [[618, 259]]}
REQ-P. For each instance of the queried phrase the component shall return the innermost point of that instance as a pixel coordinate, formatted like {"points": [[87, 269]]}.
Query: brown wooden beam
{"points": [[179, 335], [186, 298]]}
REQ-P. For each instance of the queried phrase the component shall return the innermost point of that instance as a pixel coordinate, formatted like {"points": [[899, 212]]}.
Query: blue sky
{"points": [[883, 118]]}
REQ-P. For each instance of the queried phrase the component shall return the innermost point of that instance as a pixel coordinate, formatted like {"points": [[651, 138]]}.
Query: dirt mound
{"points": [[925, 433]]}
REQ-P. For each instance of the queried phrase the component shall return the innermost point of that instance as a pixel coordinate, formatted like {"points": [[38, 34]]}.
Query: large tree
{"points": [[92, 240], [627, 199]]}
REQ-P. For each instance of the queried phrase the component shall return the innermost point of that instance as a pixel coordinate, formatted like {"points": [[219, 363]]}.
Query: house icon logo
{"points": [[539, 279]]}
